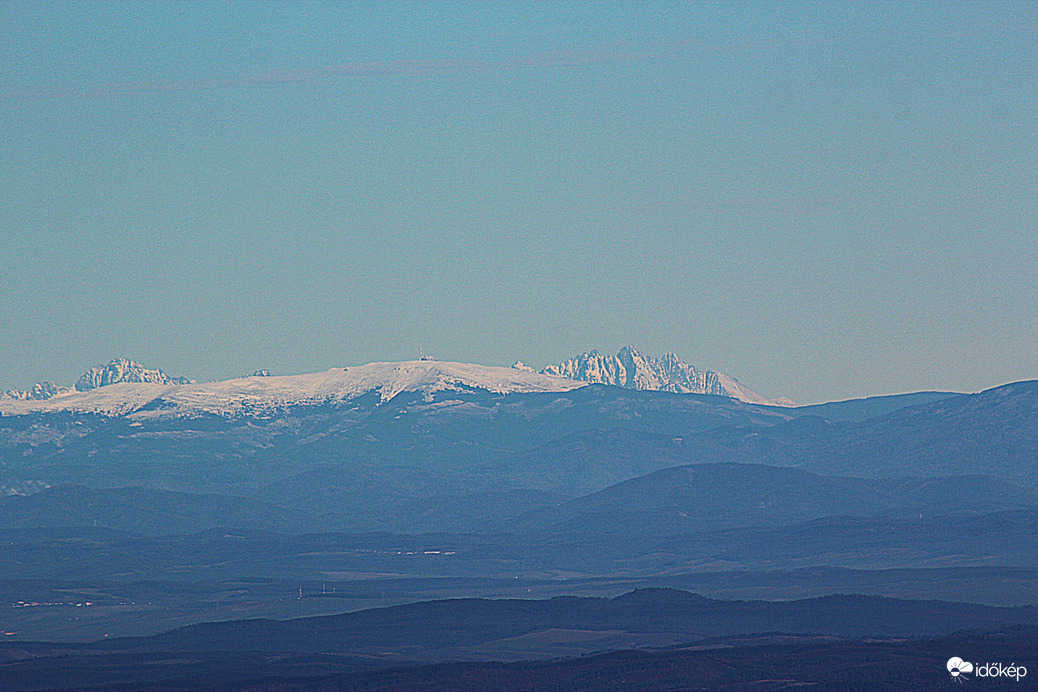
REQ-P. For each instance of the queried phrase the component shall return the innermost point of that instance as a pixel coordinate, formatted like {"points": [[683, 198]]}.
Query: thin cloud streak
{"points": [[615, 53], [796, 205], [384, 68]]}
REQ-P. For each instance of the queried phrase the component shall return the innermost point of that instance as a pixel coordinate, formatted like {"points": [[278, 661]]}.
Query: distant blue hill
{"points": [[862, 409]]}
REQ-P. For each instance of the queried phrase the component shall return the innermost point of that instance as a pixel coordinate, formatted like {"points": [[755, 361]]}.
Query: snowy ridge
{"points": [[39, 392], [126, 388], [117, 371], [123, 370], [738, 391], [632, 370], [259, 394]]}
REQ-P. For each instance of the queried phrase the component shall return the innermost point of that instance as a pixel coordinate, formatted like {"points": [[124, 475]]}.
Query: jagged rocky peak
{"points": [[631, 369], [591, 367], [41, 391], [119, 370], [520, 365], [123, 370]]}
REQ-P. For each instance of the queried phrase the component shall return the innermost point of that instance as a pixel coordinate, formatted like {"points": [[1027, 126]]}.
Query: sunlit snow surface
{"points": [[738, 391], [254, 395], [631, 369]]}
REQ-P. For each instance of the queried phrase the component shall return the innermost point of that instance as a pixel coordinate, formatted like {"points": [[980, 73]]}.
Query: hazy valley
{"points": [[150, 503]]}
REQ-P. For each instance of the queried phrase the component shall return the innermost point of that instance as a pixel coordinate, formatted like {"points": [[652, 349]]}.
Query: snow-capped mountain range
{"points": [[117, 371], [632, 370], [261, 394], [125, 387]]}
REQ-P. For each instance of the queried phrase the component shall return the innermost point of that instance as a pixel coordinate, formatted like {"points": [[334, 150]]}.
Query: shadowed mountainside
{"points": [[700, 497], [732, 643], [676, 616]]}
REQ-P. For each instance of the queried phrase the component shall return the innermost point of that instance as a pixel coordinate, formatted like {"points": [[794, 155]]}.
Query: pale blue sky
{"points": [[826, 200]]}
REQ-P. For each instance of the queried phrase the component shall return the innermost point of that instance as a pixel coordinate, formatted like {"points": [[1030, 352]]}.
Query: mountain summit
{"points": [[122, 370], [118, 370], [632, 370]]}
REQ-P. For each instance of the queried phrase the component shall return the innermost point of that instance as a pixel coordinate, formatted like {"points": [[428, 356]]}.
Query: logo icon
{"points": [[957, 667]]}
